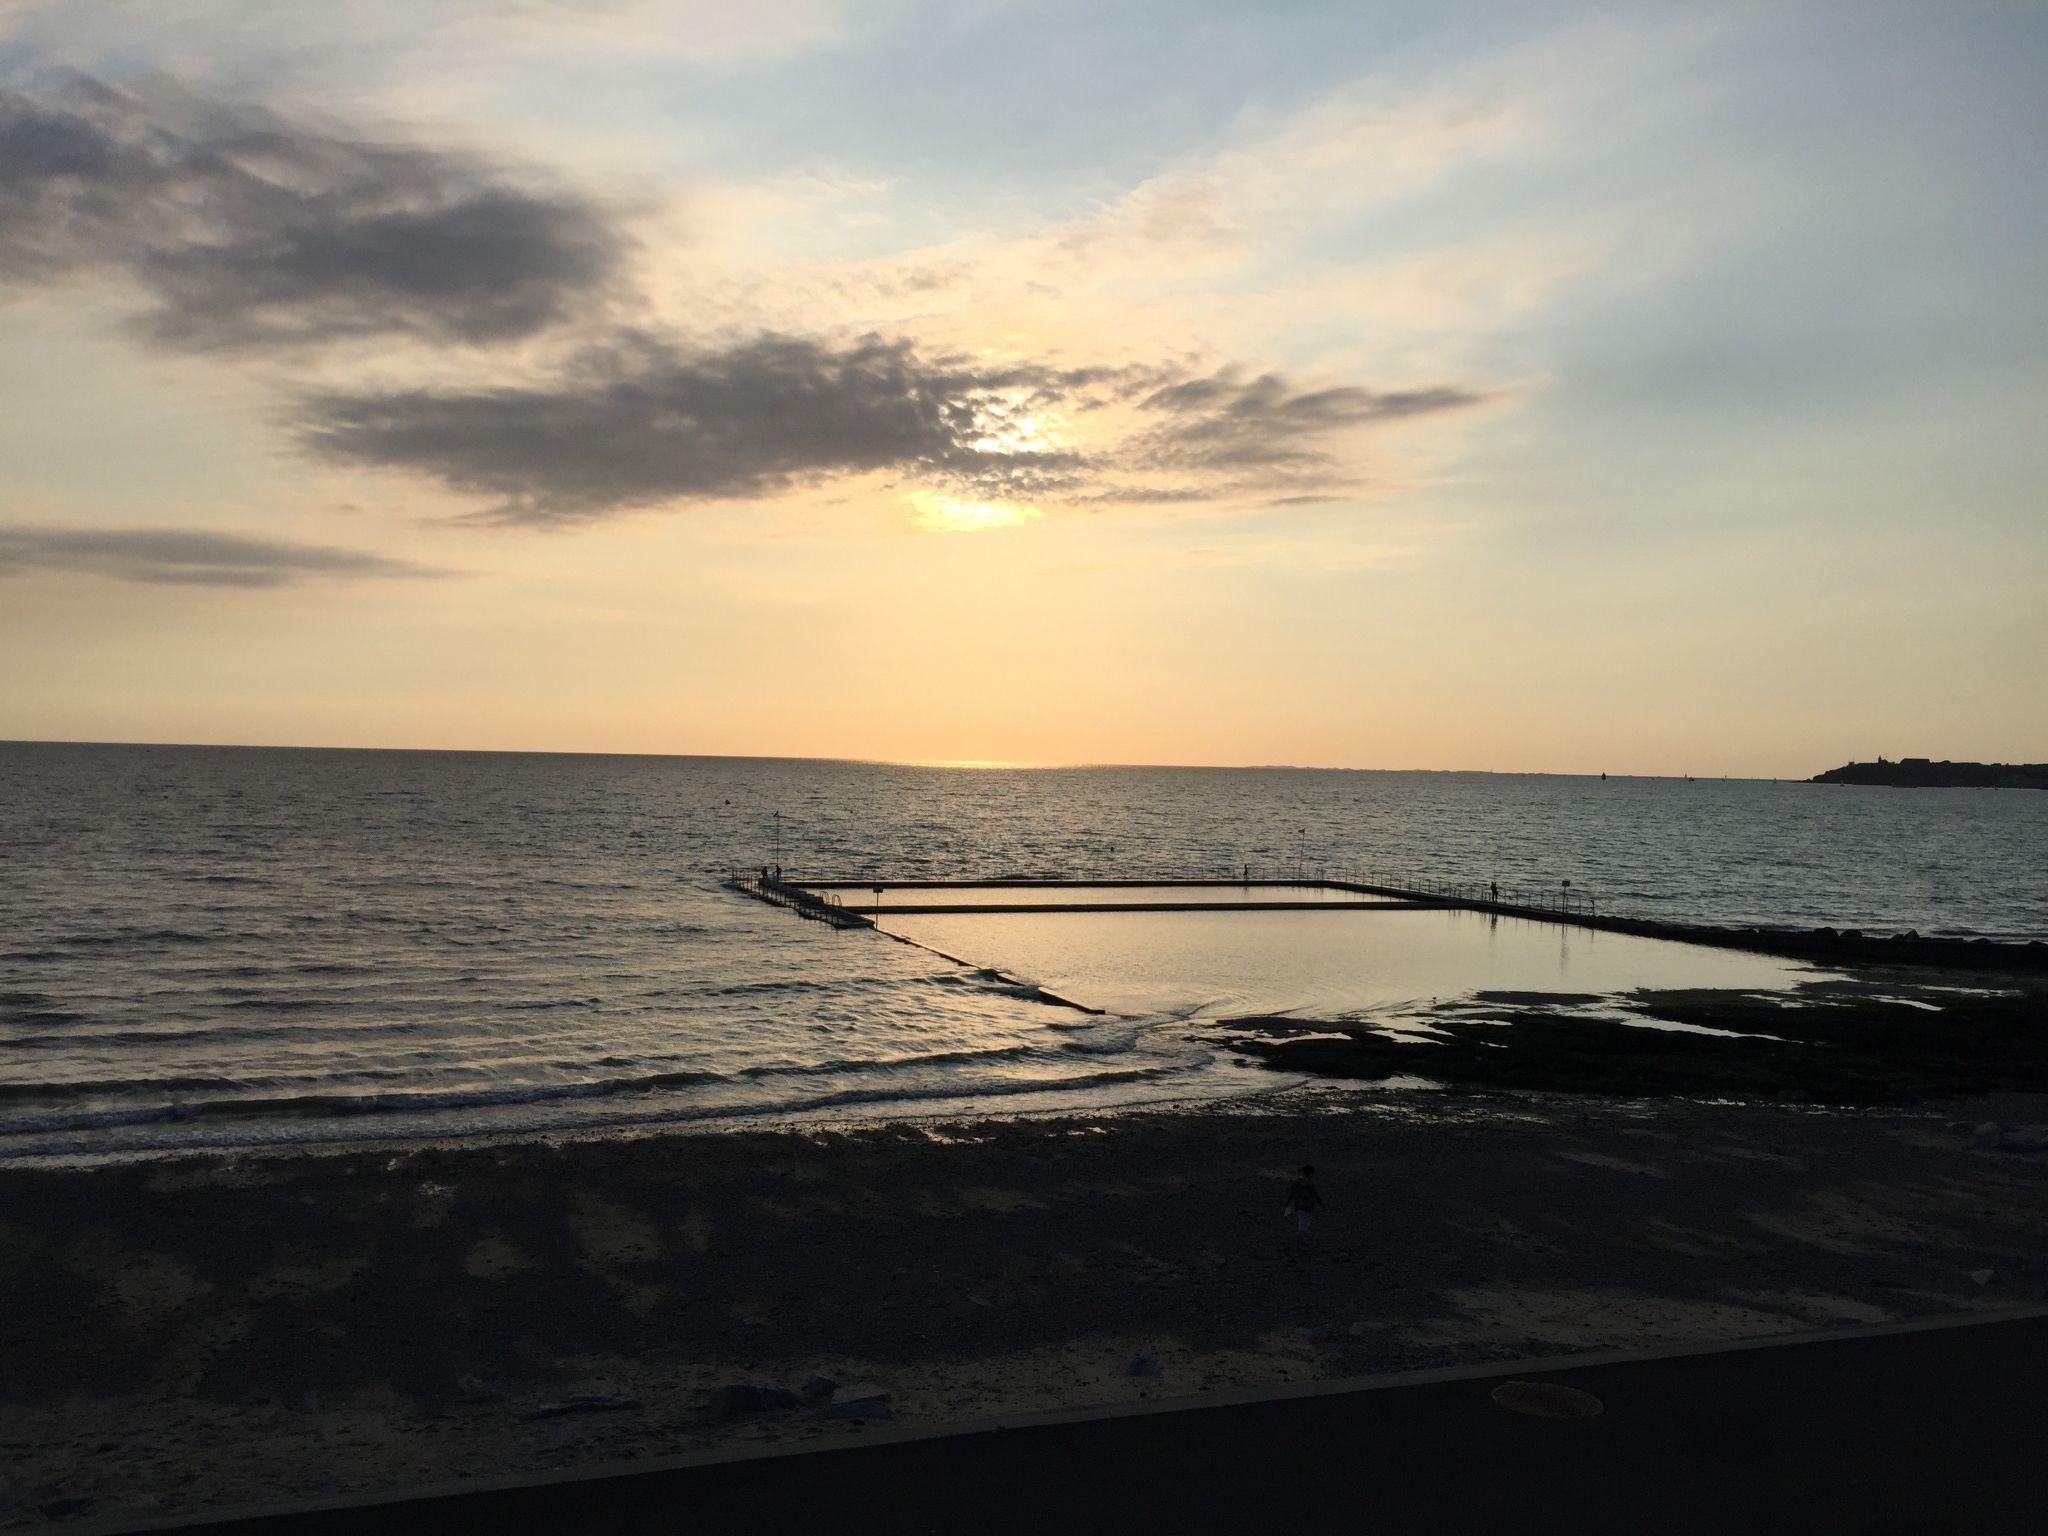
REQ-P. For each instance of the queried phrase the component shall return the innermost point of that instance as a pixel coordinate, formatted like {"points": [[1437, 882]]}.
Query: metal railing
{"points": [[1563, 899], [818, 906]]}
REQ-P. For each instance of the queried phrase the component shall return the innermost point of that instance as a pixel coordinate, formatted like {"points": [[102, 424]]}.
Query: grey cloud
{"points": [[643, 422], [248, 231], [186, 557], [1224, 421]]}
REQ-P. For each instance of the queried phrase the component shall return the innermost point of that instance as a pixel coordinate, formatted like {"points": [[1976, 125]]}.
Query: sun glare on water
{"points": [[949, 514]]}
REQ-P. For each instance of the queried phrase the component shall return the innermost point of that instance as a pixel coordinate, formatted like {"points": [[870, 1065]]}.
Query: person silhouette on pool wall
{"points": [[1303, 1199]]}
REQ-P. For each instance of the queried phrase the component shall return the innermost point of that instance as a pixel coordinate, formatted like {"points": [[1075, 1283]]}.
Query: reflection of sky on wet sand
{"points": [[1321, 964]]}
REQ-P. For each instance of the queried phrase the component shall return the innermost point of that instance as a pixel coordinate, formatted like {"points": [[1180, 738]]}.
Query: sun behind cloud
{"points": [[949, 514]]}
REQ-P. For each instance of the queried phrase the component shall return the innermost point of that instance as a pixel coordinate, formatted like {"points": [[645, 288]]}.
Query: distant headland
{"points": [[1921, 773]]}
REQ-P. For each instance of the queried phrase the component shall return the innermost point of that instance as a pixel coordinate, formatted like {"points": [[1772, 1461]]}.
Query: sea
{"points": [[207, 947]]}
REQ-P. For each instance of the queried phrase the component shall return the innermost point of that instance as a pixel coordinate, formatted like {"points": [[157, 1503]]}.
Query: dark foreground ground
{"points": [[1931, 1431], [1878, 1035], [211, 1333]]}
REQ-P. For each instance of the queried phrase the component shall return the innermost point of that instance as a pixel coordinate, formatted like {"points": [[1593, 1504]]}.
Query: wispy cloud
{"points": [[1230, 244], [698, 29], [1226, 421], [188, 557], [274, 37]]}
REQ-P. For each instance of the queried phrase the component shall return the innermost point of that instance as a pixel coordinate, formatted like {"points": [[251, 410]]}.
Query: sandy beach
{"points": [[213, 1332]]}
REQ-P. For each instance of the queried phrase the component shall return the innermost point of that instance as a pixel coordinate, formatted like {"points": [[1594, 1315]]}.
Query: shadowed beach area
{"points": [[213, 1332]]}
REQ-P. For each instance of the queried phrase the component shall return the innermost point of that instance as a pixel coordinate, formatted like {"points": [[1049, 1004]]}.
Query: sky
{"points": [[1544, 387]]}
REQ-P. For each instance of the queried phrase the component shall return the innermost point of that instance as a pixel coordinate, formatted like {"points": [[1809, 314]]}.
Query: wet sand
{"points": [[211, 1332]]}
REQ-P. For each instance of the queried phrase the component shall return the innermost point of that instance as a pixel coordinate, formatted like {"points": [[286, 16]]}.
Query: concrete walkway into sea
{"points": [[1162, 895], [1266, 890]]}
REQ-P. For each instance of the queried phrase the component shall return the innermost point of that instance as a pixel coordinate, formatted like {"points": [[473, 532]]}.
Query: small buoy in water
{"points": [[1546, 1400]]}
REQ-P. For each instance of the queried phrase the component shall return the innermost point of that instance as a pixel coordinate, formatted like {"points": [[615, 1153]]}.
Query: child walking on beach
{"points": [[1302, 1200]]}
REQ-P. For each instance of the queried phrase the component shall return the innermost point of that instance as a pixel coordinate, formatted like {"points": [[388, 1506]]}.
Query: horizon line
{"points": [[964, 765]]}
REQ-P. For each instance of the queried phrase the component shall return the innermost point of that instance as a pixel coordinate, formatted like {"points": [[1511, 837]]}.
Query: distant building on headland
{"points": [[1923, 773]]}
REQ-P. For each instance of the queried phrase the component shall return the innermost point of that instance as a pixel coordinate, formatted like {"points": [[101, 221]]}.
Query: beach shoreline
{"points": [[211, 1330], [1871, 1035]]}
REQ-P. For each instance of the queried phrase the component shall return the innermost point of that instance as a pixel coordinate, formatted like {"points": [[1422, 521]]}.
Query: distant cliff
{"points": [[1920, 773]]}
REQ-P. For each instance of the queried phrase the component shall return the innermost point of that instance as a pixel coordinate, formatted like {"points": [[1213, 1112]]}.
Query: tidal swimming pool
{"points": [[1333, 964]]}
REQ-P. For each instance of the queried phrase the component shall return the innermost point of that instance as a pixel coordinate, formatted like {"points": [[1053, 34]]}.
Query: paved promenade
{"points": [[1909, 1429]]}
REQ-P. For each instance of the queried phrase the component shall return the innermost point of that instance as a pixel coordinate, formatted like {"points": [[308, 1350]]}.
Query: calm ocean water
{"points": [[217, 946]]}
